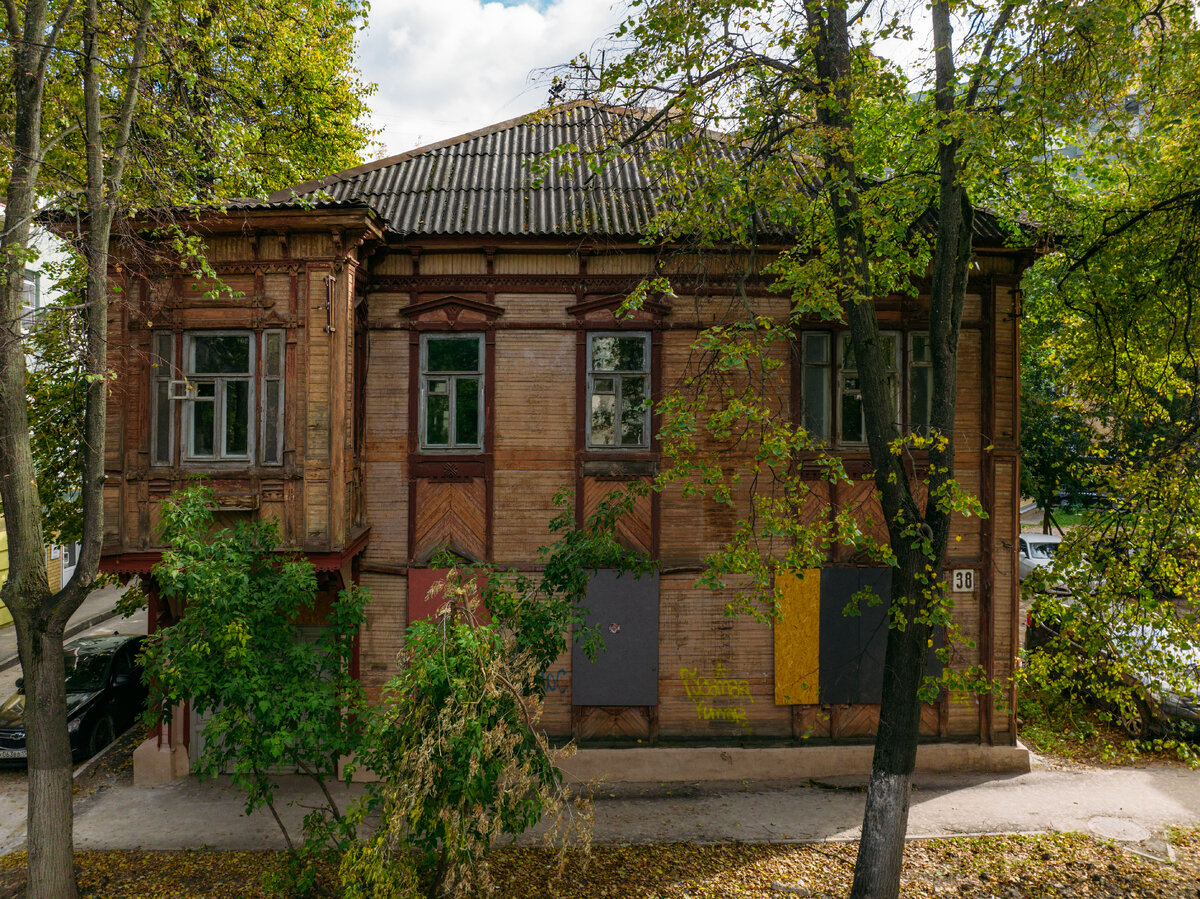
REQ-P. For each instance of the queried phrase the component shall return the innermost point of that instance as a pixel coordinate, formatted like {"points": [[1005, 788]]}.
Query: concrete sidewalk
{"points": [[99, 606], [1137, 802]]}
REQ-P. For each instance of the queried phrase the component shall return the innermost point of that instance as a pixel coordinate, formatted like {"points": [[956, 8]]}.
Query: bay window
{"points": [[231, 406]]}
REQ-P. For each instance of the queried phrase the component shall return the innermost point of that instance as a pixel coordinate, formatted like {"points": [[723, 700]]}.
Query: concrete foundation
{"points": [[669, 764], [159, 764]]}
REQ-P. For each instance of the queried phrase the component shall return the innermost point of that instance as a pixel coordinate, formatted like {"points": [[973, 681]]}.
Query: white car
{"points": [[1036, 551]]}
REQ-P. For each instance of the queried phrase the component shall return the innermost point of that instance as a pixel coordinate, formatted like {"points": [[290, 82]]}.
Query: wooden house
{"points": [[421, 351]]}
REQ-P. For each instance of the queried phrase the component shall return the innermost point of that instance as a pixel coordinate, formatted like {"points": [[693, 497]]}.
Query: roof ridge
{"points": [[306, 187]]}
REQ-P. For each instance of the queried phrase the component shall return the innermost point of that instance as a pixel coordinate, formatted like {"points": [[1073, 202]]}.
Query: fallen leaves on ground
{"points": [[1008, 867]]}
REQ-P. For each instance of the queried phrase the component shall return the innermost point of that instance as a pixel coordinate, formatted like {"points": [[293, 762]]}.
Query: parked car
{"points": [[1157, 707], [1036, 551], [105, 695]]}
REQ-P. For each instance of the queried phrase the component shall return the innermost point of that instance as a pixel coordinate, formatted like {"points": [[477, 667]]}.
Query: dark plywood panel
{"points": [[872, 632], [625, 610], [853, 648], [839, 647]]}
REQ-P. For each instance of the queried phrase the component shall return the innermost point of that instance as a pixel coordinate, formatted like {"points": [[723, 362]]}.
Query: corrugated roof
{"points": [[500, 181]]}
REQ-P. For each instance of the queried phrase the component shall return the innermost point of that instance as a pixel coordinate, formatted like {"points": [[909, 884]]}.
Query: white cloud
{"points": [[444, 67]]}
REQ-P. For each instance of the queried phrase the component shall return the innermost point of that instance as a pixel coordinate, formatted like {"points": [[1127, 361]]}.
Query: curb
{"points": [[71, 631]]}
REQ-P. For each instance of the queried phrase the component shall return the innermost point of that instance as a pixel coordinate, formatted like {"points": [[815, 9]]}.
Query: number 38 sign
{"points": [[962, 580]]}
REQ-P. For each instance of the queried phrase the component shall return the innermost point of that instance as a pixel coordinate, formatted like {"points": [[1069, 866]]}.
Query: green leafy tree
{"points": [[57, 394], [844, 151], [111, 109], [272, 700], [455, 742], [1057, 443], [1112, 312]]}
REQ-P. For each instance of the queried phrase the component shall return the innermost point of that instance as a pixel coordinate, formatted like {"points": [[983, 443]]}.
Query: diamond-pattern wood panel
{"points": [[862, 500], [854, 720], [452, 514], [634, 531], [613, 722], [931, 719]]}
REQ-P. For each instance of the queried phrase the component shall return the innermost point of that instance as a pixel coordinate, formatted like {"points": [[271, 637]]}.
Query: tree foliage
{"points": [[1058, 442], [455, 742], [848, 152], [1110, 317], [271, 699]]}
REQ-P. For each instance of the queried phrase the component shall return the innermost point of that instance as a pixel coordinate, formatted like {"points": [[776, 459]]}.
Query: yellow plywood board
{"points": [[797, 637]]}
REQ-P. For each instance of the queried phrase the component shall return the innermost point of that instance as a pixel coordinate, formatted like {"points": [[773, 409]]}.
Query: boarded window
{"points": [[625, 673], [850, 648]]}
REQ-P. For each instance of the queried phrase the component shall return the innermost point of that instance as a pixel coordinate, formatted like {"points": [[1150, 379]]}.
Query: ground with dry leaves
{"points": [[1013, 867]]}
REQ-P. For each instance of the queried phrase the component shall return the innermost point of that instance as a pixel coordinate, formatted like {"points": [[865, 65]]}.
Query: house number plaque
{"points": [[962, 580]]}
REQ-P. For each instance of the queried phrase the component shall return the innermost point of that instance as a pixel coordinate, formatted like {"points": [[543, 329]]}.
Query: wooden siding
{"points": [[534, 303]]}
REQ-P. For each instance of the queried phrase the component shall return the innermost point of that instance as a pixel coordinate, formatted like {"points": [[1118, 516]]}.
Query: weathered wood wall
{"points": [[352, 459], [536, 303]]}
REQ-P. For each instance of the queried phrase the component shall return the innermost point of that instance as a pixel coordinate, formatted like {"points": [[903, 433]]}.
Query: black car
{"points": [[105, 695]]}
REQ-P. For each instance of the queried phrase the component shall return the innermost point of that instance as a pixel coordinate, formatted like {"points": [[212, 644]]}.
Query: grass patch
{"points": [[1015, 867]]}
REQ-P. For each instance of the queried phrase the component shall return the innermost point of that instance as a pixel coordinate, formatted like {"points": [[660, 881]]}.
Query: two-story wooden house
{"points": [[420, 352]]}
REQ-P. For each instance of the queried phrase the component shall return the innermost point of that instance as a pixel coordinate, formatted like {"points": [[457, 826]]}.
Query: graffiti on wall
{"points": [[557, 681], [717, 696]]}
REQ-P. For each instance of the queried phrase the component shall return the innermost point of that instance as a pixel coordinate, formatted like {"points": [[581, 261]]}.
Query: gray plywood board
{"points": [[625, 672]]}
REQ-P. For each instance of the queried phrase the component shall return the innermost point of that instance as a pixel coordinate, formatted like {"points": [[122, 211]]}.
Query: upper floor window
{"points": [[618, 391], [920, 382], [452, 392], [851, 415], [229, 404], [830, 387]]}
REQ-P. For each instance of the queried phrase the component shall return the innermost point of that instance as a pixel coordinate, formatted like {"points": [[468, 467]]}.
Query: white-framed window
{"points": [[452, 392], [816, 372], [852, 426], [31, 300], [920, 382], [218, 415], [618, 391], [222, 391]]}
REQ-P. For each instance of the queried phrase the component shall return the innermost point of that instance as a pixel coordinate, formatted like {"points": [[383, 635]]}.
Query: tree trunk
{"points": [[885, 821], [39, 617], [51, 850], [917, 537], [39, 622]]}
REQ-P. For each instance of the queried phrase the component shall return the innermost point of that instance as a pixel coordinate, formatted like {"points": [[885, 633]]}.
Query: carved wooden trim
{"points": [[612, 303], [453, 305]]}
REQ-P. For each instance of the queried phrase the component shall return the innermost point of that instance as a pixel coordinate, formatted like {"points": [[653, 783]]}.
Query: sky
{"points": [[445, 67]]}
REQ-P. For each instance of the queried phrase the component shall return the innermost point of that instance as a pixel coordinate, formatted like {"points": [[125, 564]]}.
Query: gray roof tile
{"points": [[483, 183]]}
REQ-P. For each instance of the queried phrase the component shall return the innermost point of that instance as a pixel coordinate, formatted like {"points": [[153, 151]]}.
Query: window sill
{"points": [[620, 467], [452, 466]]}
